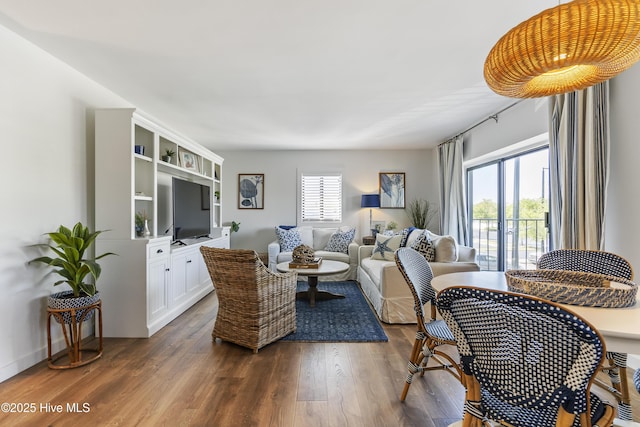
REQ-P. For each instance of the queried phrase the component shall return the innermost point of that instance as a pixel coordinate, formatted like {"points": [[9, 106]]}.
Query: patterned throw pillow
{"points": [[339, 241], [405, 236], [425, 246], [386, 247], [288, 239]]}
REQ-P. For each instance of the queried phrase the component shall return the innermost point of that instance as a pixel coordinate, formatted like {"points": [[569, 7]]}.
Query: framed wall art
{"points": [[189, 161], [251, 191], [392, 190]]}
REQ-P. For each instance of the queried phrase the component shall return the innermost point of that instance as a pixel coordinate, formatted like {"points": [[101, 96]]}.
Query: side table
{"points": [[368, 240]]}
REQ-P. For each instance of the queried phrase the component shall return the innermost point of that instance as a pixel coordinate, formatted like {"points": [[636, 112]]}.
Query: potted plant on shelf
{"points": [[70, 263], [142, 224], [168, 155]]}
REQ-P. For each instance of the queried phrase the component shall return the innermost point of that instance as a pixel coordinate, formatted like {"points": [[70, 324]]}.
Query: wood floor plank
{"points": [[179, 377]]}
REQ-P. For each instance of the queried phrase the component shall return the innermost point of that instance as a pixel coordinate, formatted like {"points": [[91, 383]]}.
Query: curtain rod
{"points": [[493, 116]]}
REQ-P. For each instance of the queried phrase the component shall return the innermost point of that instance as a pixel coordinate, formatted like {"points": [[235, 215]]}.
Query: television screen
{"points": [[191, 209]]}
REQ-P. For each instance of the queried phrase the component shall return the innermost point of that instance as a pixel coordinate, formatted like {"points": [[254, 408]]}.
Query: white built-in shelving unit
{"points": [[151, 281]]}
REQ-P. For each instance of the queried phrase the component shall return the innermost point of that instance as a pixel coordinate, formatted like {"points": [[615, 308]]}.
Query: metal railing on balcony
{"points": [[524, 241]]}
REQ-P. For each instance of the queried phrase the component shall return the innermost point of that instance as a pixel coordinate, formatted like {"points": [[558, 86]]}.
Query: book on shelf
{"points": [[313, 264]]}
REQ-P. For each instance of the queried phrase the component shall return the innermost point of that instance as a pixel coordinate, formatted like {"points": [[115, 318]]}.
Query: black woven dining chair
{"points": [[608, 264], [526, 361], [431, 332]]}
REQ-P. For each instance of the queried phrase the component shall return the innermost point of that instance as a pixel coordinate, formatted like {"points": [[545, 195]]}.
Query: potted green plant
{"points": [[235, 226], [168, 154], [421, 213], [77, 271]]}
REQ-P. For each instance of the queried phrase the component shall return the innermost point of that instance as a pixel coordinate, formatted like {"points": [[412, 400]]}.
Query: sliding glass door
{"points": [[508, 205]]}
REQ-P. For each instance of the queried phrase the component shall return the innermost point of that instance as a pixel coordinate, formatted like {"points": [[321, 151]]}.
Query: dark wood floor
{"points": [[179, 377]]}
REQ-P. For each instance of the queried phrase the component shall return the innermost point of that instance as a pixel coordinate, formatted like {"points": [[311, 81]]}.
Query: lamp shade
{"points": [[565, 48], [370, 201]]}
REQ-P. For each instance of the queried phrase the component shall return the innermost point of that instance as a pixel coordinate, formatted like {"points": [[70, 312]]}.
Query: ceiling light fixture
{"points": [[565, 48]]}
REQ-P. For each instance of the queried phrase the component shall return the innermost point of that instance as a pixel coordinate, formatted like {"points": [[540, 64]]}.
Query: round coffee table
{"points": [[327, 267]]}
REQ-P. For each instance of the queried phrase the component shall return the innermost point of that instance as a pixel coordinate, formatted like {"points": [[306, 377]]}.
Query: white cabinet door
{"points": [[185, 278], [178, 274], [157, 286]]}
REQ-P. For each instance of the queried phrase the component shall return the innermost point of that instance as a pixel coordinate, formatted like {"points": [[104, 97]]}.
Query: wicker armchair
{"points": [[526, 361], [255, 305], [609, 264], [431, 333]]}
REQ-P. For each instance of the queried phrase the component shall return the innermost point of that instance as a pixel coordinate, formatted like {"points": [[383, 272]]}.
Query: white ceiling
{"points": [[286, 74]]}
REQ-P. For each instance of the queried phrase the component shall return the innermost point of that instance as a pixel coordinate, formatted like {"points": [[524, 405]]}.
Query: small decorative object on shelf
{"points": [[141, 224], [146, 231], [168, 154]]}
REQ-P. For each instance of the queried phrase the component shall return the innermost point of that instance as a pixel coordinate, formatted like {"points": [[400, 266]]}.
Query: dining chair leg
{"points": [[617, 371], [415, 361]]}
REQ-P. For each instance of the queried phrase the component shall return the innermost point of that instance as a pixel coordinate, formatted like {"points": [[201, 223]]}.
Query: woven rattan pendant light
{"points": [[568, 47]]}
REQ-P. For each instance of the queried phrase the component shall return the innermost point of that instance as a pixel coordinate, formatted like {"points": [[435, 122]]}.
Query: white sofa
{"points": [[385, 287], [317, 238]]}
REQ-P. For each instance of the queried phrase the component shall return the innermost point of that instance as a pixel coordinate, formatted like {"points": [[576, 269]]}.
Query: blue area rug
{"points": [[348, 319]]}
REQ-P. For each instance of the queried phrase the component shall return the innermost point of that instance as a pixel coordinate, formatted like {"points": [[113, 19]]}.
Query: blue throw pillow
{"points": [[288, 239], [339, 241], [405, 236]]}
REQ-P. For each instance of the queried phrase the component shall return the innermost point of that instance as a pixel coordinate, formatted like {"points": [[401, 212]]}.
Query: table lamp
{"points": [[370, 201]]}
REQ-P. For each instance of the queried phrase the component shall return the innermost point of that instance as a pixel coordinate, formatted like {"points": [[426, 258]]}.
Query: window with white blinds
{"points": [[321, 197]]}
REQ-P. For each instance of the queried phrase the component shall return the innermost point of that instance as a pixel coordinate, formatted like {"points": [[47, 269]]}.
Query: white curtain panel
{"points": [[452, 189], [578, 166]]}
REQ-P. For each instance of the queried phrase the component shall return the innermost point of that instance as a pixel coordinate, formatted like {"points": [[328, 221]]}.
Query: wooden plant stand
{"points": [[75, 354]]}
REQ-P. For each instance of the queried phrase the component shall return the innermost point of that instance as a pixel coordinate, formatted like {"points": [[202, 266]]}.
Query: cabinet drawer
{"points": [[159, 250]]}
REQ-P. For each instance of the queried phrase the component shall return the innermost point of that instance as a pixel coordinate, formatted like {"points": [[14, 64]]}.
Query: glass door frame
{"points": [[500, 164]]}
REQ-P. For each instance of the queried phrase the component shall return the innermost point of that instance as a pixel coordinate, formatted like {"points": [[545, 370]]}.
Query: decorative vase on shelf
{"points": [[146, 231]]}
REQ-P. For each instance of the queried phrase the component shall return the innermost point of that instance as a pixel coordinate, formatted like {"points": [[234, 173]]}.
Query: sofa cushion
{"points": [[288, 239], [446, 248], [306, 234], [321, 237], [339, 241], [425, 246], [385, 247]]}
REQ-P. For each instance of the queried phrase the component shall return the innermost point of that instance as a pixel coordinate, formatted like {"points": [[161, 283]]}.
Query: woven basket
{"points": [[572, 287]]}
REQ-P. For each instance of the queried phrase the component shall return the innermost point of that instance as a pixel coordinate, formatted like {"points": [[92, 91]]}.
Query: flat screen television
{"points": [[191, 209]]}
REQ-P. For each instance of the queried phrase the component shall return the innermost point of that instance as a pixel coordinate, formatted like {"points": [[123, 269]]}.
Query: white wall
{"points": [[360, 176], [521, 122], [622, 233], [47, 180]]}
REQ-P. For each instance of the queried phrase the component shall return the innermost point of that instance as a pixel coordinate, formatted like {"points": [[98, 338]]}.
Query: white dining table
{"points": [[620, 327]]}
